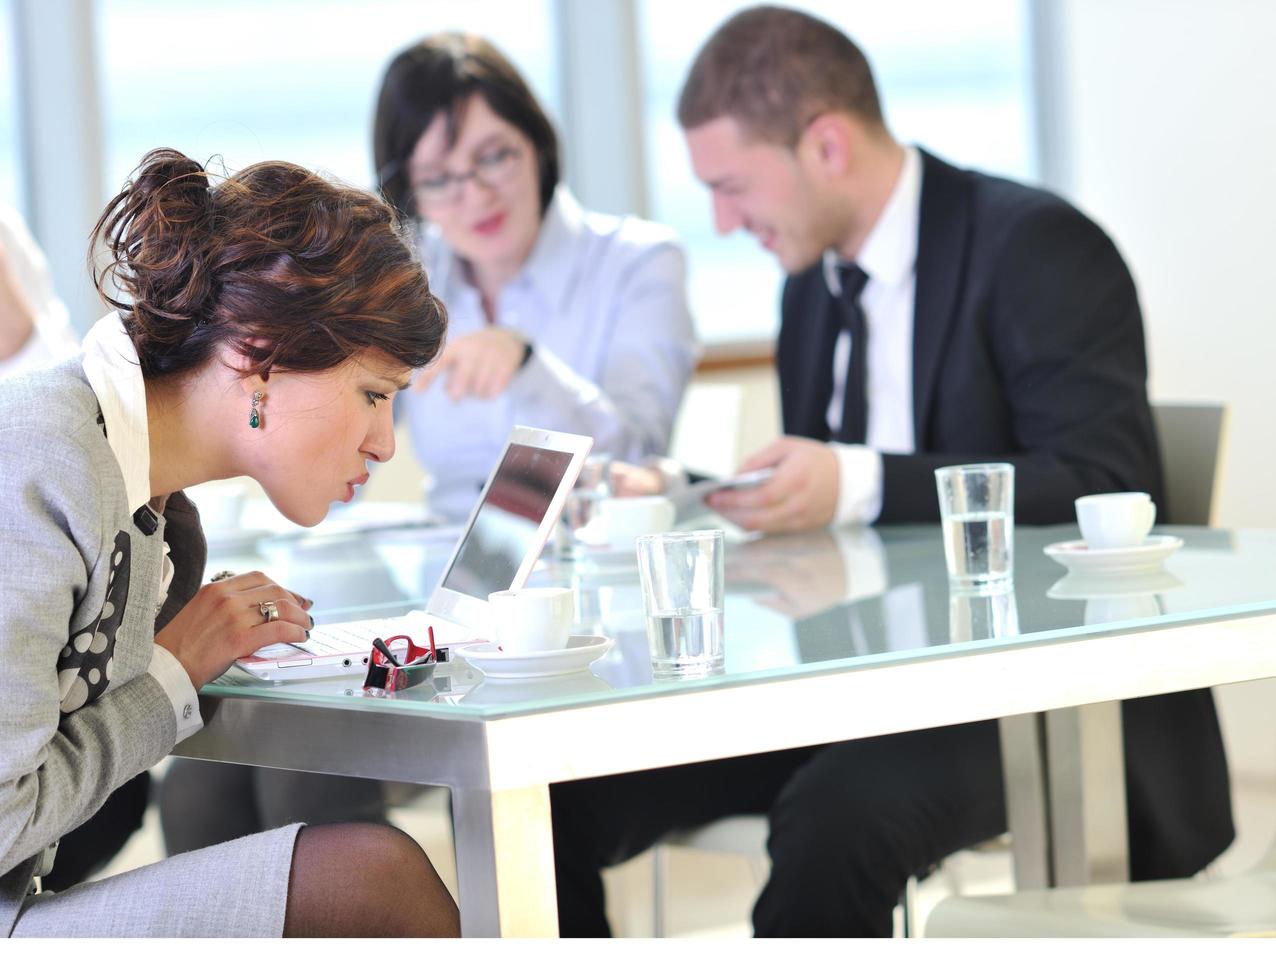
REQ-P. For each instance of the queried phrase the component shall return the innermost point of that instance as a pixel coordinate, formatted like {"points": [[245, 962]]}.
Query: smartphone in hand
{"points": [[741, 481], [692, 500]]}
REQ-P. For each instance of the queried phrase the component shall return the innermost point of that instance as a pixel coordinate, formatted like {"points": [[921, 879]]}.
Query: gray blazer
{"points": [[79, 593]]}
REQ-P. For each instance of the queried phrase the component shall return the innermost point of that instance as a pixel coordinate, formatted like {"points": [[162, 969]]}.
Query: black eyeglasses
{"points": [[491, 169]]}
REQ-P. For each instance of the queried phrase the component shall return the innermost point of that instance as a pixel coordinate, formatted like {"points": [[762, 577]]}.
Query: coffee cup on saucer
{"points": [[1115, 520], [623, 519], [526, 621]]}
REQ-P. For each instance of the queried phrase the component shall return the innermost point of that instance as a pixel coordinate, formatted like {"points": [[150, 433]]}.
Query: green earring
{"points": [[254, 419]]}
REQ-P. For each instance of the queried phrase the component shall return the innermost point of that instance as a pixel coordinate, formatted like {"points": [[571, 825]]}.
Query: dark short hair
{"points": [[292, 271], [773, 70], [436, 75]]}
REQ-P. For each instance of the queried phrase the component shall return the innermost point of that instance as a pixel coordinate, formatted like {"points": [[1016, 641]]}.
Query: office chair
{"points": [[1193, 444], [1243, 905], [744, 836]]}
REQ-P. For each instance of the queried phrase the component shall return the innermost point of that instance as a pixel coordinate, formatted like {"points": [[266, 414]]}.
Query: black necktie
{"points": [[854, 428]]}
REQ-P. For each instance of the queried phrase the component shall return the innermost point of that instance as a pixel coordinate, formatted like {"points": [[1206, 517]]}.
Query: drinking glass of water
{"points": [[977, 510], [682, 585]]}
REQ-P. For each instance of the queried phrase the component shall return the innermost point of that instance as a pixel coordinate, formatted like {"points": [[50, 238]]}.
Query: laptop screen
{"points": [[508, 519]]}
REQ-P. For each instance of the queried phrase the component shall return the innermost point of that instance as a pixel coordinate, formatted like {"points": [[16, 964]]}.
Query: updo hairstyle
{"points": [[292, 271]]}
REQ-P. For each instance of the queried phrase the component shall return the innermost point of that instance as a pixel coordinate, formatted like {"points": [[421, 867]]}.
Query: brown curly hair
{"points": [[290, 270]]}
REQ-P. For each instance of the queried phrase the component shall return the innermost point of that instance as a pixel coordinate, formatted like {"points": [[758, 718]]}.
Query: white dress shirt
{"points": [[51, 339], [603, 302], [889, 258], [111, 365]]}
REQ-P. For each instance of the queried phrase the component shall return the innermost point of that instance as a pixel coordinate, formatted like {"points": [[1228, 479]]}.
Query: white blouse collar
{"points": [[111, 365]]}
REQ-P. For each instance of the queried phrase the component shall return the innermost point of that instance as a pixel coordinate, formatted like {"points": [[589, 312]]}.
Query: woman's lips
{"points": [[350, 485], [490, 226]]}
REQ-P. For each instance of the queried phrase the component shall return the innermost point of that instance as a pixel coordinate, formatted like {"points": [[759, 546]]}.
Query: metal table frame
{"points": [[1063, 767]]}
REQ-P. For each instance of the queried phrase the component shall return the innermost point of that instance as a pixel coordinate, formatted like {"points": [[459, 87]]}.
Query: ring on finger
{"points": [[269, 611]]}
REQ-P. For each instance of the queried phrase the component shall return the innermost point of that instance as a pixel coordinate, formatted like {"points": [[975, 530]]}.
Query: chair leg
{"points": [[659, 891], [908, 906]]}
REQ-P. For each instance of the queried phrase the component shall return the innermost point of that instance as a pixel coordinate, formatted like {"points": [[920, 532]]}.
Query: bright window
{"points": [[10, 157], [954, 77], [289, 79]]}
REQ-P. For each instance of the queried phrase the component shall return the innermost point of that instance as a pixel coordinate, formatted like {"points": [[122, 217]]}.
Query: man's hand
{"points": [[801, 495], [478, 365]]}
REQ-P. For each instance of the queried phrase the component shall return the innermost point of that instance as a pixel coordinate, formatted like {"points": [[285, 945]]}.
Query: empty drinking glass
{"points": [[682, 588], [977, 511]]}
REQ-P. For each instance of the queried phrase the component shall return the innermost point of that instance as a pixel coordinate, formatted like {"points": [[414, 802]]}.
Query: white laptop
{"points": [[515, 514]]}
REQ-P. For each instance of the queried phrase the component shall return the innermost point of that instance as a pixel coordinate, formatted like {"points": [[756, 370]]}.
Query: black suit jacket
{"points": [[1028, 348]]}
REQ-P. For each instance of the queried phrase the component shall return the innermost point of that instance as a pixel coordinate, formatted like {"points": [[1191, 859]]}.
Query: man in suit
{"points": [[995, 321], [931, 316]]}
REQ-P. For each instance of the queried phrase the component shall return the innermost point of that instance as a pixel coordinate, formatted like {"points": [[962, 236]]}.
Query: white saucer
{"points": [[580, 652], [1086, 585], [1077, 556]]}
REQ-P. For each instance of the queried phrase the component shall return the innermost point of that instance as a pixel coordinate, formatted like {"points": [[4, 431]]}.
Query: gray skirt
{"points": [[237, 889]]}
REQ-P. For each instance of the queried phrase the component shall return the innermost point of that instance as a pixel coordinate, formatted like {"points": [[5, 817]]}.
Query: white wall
{"points": [[1171, 146]]}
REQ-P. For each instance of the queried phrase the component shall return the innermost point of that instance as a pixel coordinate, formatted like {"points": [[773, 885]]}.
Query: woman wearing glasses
{"points": [[263, 325], [559, 318]]}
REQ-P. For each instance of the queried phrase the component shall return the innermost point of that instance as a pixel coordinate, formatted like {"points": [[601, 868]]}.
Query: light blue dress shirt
{"points": [[603, 302]]}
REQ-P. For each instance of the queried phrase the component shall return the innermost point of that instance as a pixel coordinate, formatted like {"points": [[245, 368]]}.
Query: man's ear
{"points": [[828, 144]]}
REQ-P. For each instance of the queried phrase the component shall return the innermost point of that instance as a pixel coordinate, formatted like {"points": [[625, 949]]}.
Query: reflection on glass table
{"points": [[795, 602], [1117, 598], [982, 614]]}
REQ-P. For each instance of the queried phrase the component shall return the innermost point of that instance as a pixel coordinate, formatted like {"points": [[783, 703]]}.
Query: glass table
{"points": [[829, 636]]}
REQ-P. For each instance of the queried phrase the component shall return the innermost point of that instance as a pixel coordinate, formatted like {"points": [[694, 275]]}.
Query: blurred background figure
{"points": [[35, 328], [558, 317]]}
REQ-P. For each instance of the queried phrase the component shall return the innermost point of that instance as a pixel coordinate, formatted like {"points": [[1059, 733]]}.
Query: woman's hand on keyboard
{"points": [[230, 619]]}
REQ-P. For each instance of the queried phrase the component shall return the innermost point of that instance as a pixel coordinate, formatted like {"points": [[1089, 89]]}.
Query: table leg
{"points": [[505, 862], [1064, 774], [1023, 767], [1086, 765]]}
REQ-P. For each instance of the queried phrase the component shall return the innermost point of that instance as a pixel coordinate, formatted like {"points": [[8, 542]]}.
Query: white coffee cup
{"points": [[623, 519], [532, 620], [1115, 520]]}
